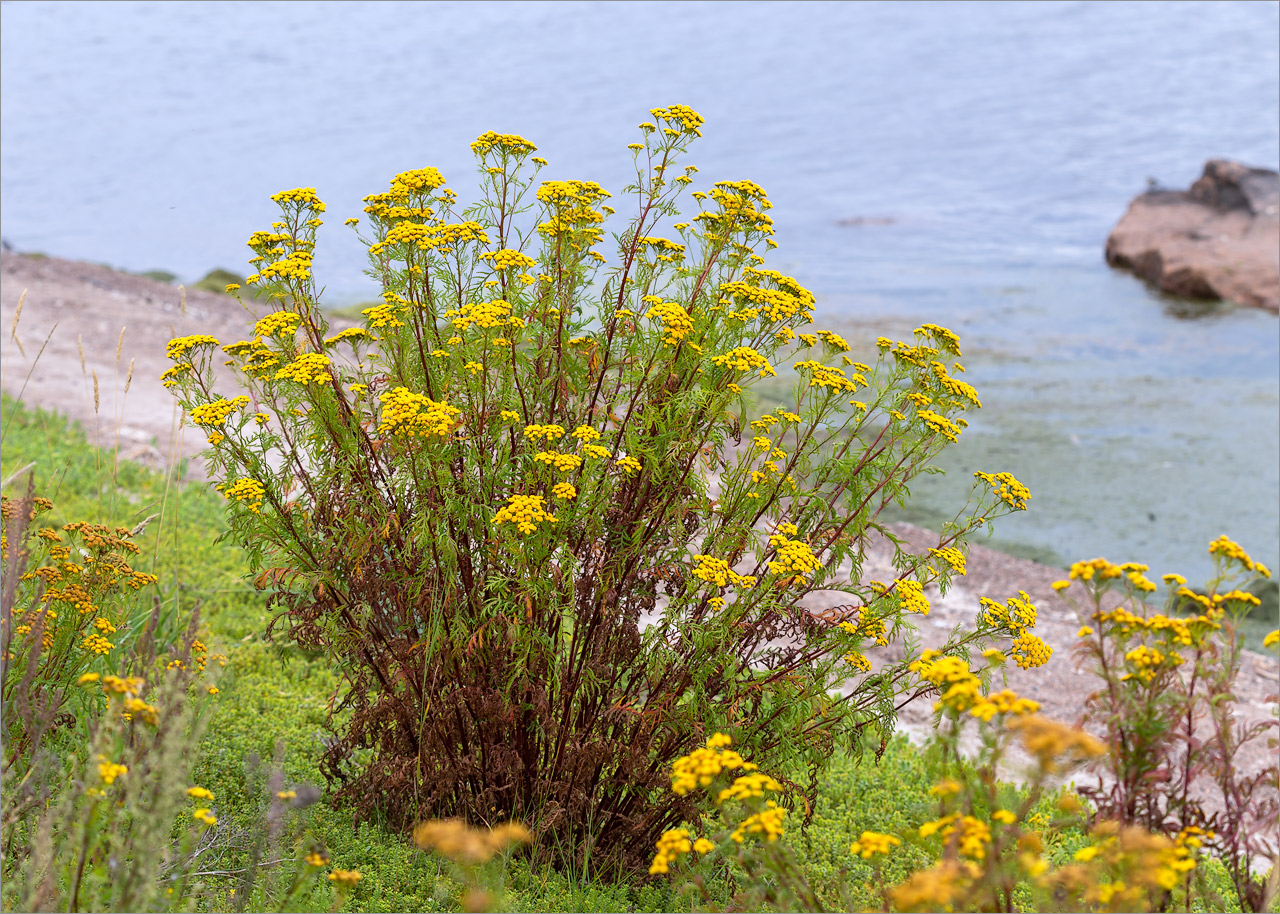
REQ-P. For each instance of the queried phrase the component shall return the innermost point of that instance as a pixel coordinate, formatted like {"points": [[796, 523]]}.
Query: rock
{"points": [[1218, 240]]}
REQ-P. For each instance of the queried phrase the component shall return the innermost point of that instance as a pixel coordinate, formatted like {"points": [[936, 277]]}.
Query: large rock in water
{"points": [[1220, 239]]}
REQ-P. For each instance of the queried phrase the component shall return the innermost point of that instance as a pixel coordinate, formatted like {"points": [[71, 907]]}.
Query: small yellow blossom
{"points": [[109, 771], [564, 490], [525, 511], [871, 843]]}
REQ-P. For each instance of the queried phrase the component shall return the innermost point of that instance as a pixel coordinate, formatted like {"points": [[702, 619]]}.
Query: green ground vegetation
{"points": [[269, 722]]}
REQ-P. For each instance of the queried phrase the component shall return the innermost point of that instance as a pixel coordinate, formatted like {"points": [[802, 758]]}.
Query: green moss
{"points": [[218, 280], [160, 275]]}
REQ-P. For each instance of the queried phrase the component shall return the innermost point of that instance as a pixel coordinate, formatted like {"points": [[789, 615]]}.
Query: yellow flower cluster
{"points": [[1227, 548], [245, 490], [459, 842], [296, 265], [1029, 651], [93, 643], [565, 463], [952, 556], [628, 465], [744, 358], [585, 433], [308, 368], [835, 341], [117, 685], [961, 690], [507, 259], [870, 843], [972, 836], [1018, 612], [958, 389], [1106, 571], [742, 206], [564, 491], [717, 571], [944, 338], [1152, 862], [180, 346], [939, 423], [267, 243], [386, 314], [407, 413], [1005, 701], [1007, 488], [829, 377], [1272, 639], [173, 376], [259, 360], [671, 846], [572, 204], [1099, 567], [939, 888], [278, 323], [669, 250], [550, 432], [777, 304], [688, 120], [149, 714], [795, 556], [214, 415], [1048, 739], [507, 143], [1145, 662], [767, 822], [746, 786], [306, 196], [701, 766], [525, 511], [354, 334], [676, 322], [485, 314], [346, 877], [911, 595], [109, 770], [417, 181], [441, 238]]}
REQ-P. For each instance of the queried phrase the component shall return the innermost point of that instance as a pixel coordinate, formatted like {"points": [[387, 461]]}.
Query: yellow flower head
{"points": [[871, 843], [526, 512]]}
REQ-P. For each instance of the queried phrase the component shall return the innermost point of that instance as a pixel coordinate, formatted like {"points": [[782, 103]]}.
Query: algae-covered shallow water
{"points": [[1144, 426], [950, 162]]}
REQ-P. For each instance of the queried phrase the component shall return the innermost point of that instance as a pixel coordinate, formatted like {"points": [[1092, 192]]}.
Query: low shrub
{"points": [[530, 513]]}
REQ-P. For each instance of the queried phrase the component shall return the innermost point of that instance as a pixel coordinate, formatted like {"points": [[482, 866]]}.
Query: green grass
{"points": [[273, 702]]}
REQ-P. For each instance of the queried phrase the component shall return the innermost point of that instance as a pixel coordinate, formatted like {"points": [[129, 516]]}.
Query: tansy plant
{"points": [[996, 845], [533, 513], [1167, 707]]}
